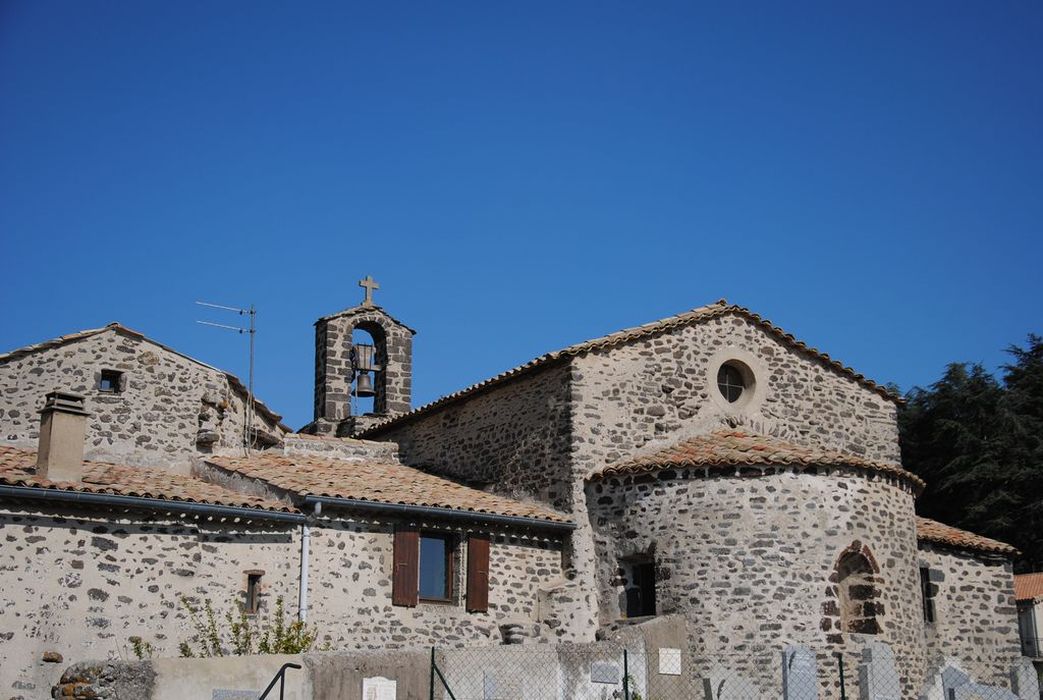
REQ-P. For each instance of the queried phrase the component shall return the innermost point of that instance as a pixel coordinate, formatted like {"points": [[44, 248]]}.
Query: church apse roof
{"points": [[376, 482], [730, 448], [934, 532], [18, 468], [695, 316]]}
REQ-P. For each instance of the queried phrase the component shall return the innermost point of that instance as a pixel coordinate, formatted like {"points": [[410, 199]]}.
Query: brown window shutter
{"points": [[478, 573], [405, 580]]}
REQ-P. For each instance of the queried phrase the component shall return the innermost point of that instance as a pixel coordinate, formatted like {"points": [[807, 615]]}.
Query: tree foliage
{"points": [[978, 442]]}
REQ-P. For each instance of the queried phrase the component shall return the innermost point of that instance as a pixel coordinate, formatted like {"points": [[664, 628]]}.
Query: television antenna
{"points": [[251, 329]]}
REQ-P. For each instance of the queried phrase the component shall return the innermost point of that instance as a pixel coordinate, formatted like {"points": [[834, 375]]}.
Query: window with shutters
{"points": [[426, 565]]}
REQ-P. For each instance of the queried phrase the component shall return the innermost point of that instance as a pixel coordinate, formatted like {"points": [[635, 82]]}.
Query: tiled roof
{"points": [[236, 383], [735, 448], [938, 533], [308, 475], [1028, 586], [18, 466], [697, 315]]}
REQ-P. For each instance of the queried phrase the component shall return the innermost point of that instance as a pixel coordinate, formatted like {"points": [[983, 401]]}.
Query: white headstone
{"points": [[1023, 679], [379, 688], [877, 676], [669, 662], [490, 686], [799, 673]]}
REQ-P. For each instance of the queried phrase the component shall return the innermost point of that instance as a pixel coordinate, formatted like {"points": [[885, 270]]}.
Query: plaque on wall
{"points": [[604, 672], [379, 688], [669, 662]]}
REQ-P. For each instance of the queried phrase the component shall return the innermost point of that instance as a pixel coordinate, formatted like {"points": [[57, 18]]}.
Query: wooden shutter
{"points": [[478, 573], [405, 580]]}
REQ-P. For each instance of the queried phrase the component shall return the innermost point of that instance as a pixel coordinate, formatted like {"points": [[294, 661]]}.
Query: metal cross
{"points": [[369, 284]]}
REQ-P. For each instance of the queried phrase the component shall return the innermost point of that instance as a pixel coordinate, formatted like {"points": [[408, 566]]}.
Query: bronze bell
{"points": [[364, 385]]}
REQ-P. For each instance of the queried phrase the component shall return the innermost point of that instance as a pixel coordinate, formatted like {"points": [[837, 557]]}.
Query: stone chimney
{"points": [[63, 425]]}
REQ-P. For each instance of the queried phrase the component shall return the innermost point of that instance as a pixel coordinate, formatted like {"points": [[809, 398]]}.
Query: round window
{"points": [[730, 382]]}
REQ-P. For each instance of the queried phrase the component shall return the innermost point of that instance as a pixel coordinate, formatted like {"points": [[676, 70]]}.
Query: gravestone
{"points": [[379, 688], [952, 678], [1023, 679], [977, 691], [726, 685], [799, 673], [877, 676], [605, 672], [490, 686], [231, 694]]}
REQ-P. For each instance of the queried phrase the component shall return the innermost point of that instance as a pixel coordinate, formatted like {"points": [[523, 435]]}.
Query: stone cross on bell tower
{"points": [[370, 285]]}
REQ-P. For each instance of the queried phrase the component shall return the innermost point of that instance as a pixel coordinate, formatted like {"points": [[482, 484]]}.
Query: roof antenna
{"points": [[252, 330]]}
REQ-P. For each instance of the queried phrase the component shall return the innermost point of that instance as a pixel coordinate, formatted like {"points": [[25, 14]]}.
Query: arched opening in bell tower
{"points": [[368, 363]]}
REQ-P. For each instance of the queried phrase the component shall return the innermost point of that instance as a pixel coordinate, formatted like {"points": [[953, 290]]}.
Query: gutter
{"points": [[444, 513], [105, 499]]}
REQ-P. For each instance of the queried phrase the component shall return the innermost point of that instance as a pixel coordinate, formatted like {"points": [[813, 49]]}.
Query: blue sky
{"points": [[522, 176]]}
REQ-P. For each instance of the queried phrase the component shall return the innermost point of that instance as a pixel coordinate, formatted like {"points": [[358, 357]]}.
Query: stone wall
{"points": [[661, 389], [514, 438], [78, 585], [351, 570], [81, 584], [975, 611], [748, 559], [168, 412]]}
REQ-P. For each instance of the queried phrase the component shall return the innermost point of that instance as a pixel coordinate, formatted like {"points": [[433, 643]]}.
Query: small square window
{"points": [[253, 592], [110, 381], [436, 567]]}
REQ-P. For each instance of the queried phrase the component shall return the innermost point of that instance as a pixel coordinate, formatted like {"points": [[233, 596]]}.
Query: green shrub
{"points": [[239, 634]]}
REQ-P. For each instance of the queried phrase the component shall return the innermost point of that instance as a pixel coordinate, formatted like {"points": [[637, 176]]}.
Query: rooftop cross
{"points": [[369, 284]]}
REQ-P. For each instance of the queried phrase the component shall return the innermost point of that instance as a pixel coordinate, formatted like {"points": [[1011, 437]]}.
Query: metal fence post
{"points": [[626, 675], [432, 693], [840, 665]]}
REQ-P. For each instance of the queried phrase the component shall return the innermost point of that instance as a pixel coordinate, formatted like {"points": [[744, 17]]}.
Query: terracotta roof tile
{"points": [[1028, 586], [18, 466], [688, 318], [735, 448], [315, 475], [938, 533]]}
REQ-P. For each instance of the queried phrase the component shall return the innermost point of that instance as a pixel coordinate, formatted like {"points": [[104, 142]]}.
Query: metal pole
{"points": [[626, 675], [840, 663], [250, 388], [431, 696]]}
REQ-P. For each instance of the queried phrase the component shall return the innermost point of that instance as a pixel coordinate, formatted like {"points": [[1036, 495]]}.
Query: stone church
{"points": [[708, 466]]}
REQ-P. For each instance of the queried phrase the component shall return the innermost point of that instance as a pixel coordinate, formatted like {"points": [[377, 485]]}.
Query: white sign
{"points": [[669, 662], [378, 688]]}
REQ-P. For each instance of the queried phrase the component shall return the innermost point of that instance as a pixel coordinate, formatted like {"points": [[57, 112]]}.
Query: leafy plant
{"points": [[235, 633], [142, 649]]}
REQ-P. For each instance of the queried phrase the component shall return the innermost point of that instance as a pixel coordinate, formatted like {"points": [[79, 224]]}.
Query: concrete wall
{"points": [[748, 559], [81, 584], [170, 410], [976, 615]]}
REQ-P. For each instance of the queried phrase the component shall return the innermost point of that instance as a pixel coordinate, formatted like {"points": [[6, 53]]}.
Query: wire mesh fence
{"points": [[616, 671]]}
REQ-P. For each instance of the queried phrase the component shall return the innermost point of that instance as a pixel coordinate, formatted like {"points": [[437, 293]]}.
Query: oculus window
{"points": [[730, 382]]}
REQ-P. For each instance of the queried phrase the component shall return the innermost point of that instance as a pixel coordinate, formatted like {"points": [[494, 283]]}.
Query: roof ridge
{"points": [[696, 315], [236, 382]]}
